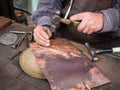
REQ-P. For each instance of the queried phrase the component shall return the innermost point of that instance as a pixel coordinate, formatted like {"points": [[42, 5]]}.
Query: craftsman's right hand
{"points": [[91, 22], [42, 35]]}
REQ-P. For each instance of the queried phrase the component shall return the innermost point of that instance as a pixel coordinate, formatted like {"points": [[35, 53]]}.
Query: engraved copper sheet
{"points": [[66, 68]]}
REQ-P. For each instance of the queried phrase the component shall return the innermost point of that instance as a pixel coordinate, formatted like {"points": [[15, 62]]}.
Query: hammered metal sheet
{"points": [[66, 68]]}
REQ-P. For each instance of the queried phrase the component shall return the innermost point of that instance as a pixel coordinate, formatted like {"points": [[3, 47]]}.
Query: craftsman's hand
{"points": [[42, 35], [91, 22]]}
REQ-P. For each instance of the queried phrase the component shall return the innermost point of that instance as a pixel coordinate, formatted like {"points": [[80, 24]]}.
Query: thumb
{"points": [[76, 17]]}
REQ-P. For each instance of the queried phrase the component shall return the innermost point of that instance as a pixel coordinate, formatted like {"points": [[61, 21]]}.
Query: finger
{"points": [[49, 32], [92, 29], [38, 35], [81, 26], [86, 30], [90, 32], [77, 17], [39, 39], [44, 33], [43, 39], [41, 42]]}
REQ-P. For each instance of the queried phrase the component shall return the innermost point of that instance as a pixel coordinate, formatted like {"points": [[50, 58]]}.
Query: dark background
{"points": [[7, 9]]}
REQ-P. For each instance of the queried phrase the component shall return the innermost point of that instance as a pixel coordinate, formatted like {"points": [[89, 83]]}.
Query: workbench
{"points": [[12, 76]]}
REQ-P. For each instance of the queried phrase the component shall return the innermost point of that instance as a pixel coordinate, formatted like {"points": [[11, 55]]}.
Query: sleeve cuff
{"points": [[110, 20], [44, 21]]}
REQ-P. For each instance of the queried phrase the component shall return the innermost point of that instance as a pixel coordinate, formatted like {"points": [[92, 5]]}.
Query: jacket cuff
{"points": [[110, 20], [44, 21]]}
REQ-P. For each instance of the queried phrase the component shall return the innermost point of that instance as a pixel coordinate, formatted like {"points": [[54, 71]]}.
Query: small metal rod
{"points": [[15, 54], [19, 32], [19, 41], [22, 38], [23, 32]]}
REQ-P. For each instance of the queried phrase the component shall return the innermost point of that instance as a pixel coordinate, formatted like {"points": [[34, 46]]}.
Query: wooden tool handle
{"points": [[68, 22]]}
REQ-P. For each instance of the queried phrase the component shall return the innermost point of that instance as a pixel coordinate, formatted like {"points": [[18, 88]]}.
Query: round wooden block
{"points": [[29, 64]]}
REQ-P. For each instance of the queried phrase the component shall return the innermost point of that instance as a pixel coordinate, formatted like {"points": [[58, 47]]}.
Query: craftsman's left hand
{"points": [[90, 22]]}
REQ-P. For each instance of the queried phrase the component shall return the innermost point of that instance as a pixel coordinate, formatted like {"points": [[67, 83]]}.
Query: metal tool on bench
{"points": [[20, 32], [23, 32], [15, 54], [22, 38], [19, 41], [110, 50], [94, 53]]}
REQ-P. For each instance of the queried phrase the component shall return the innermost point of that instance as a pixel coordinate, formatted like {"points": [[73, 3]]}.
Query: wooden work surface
{"points": [[4, 22], [13, 78]]}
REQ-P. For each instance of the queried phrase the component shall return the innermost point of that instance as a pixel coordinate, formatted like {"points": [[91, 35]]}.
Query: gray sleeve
{"points": [[111, 19], [43, 14]]}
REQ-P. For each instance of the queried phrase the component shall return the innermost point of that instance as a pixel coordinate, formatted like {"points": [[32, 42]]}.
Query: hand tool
{"points": [[15, 54], [23, 32], [110, 50], [20, 32], [57, 19], [53, 28], [94, 53], [19, 41]]}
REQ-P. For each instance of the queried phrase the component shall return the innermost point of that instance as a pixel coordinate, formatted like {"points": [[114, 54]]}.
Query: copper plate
{"points": [[66, 68]]}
